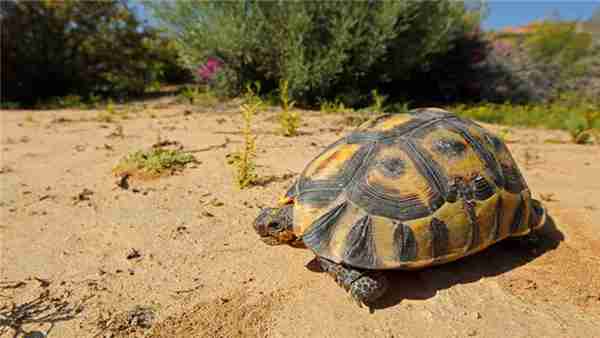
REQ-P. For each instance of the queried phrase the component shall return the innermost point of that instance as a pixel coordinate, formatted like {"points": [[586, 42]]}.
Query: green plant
{"points": [[71, 101], [153, 163], [94, 100], [378, 101], [82, 46], [111, 113], [9, 105], [398, 108], [189, 94], [289, 120], [581, 128], [195, 96], [324, 48], [244, 159], [334, 107], [569, 111]]}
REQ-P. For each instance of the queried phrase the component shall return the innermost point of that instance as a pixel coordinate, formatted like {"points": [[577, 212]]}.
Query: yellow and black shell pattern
{"points": [[406, 191]]}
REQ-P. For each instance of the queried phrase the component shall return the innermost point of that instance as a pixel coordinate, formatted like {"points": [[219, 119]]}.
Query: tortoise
{"points": [[403, 191]]}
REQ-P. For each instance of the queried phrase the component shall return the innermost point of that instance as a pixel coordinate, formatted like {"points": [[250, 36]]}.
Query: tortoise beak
{"points": [[261, 229]]}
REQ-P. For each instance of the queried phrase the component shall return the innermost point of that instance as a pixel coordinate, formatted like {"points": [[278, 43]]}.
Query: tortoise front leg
{"points": [[363, 287]]}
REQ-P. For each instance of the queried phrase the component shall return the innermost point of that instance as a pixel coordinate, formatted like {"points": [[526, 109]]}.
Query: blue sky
{"points": [[517, 13]]}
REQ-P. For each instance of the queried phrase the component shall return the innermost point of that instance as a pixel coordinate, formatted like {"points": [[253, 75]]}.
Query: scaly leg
{"points": [[364, 287]]}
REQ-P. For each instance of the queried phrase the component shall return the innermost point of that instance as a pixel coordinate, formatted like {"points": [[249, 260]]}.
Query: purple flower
{"points": [[208, 70]]}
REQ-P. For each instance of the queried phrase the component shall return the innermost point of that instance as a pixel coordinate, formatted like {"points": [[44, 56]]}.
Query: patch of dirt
{"points": [[235, 315]]}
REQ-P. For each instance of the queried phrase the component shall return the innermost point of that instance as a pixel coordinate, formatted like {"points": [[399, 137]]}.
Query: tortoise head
{"points": [[275, 226]]}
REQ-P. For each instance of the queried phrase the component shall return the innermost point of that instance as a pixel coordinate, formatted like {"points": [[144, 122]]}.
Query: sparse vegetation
{"points": [[194, 95], [289, 120], [153, 163], [582, 130], [111, 113], [71, 101], [378, 101], [578, 115], [333, 107], [10, 105]]}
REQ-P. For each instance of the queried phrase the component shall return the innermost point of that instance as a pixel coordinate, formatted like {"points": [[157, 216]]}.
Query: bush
{"points": [[55, 48], [325, 50], [540, 65]]}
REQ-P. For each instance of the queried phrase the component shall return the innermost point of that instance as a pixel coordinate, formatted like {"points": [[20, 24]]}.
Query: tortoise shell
{"points": [[406, 191]]}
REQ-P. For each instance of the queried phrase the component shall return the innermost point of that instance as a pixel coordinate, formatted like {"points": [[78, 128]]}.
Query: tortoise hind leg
{"points": [[364, 288]]}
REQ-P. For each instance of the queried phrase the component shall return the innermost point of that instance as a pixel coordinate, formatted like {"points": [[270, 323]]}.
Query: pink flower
{"points": [[208, 70]]}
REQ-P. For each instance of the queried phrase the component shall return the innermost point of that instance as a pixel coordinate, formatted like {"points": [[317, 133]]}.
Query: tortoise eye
{"points": [[275, 226]]}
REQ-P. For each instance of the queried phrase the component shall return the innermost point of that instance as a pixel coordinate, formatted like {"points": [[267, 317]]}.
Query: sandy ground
{"points": [[177, 257]]}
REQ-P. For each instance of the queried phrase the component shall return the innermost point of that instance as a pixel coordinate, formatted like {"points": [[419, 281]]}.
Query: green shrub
{"points": [[54, 48], [324, 49]]}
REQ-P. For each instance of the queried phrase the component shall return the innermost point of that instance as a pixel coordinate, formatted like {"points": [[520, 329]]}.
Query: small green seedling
{"points": [[244, 159], [289, 120], [195, 96], [333, 107], [189, 94], [581, 129], [378, 101]]}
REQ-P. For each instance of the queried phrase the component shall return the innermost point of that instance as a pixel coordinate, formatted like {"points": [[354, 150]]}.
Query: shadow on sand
{"points": [[495, 260], [41, 310]]}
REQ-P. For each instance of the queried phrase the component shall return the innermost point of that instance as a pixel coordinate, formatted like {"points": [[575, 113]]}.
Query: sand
{"points": [[177, 256]]}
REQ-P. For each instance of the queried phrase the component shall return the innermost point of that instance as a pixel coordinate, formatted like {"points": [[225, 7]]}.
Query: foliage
{"points": [[152, 163], [9, 105], [580, 116], [190, 93], [323, 49], [111, 113], [195, 95], [54, 48], [378, 101], [289, 120], [558, 42], [398, 108], [333, 107], [551, 58]]}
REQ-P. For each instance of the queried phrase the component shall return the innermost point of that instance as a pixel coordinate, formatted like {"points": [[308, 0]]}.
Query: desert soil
{"points": [[177, 256]]}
